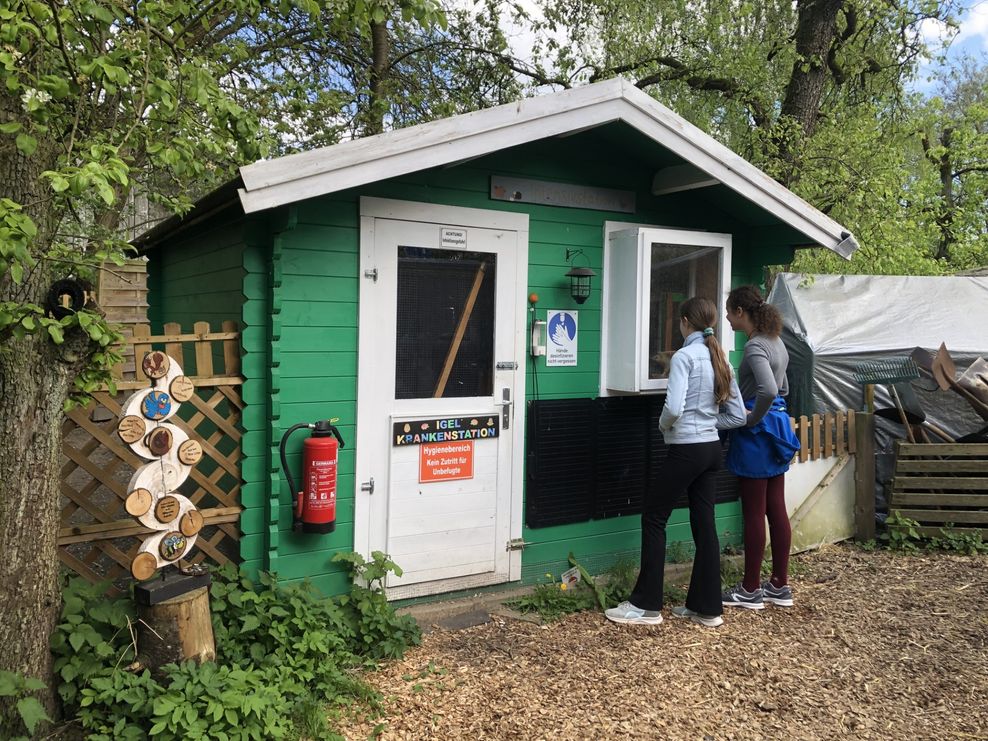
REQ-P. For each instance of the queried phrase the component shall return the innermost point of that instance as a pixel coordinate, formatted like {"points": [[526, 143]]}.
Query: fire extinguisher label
{"points": [[321, 489]]}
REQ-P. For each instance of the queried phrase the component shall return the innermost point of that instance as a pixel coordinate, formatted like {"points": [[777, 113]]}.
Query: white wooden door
{"points": [[440, 393]]}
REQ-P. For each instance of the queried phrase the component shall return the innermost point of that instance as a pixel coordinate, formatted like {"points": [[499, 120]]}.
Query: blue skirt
{"points": [[765, 449]]}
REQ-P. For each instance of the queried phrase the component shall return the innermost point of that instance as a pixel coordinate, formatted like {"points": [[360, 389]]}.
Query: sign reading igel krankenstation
{"points": [[445, 430]]}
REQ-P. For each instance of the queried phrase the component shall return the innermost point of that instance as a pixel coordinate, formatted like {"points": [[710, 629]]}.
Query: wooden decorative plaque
{"points": [[167, 509], [156, 364], [138, 502], [131, 429]]}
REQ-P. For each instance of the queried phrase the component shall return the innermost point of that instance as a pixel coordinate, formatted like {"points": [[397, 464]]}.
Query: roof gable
{"points": [[271, 183]]}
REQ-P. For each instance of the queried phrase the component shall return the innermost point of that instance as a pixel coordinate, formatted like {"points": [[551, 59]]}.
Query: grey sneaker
{"points": [[738, 596], [628, 613], [710, 621], [781, 596]]}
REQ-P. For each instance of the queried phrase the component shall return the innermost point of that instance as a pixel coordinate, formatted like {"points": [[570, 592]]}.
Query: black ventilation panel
{"points": [[590, 459], [562, 463]]}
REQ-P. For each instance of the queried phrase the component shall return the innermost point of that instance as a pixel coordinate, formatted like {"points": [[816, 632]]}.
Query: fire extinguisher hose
{"points": [[296, 493]]}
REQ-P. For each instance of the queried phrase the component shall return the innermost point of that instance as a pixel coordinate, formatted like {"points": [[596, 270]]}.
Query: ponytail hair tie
{"points": [[708, 332]]}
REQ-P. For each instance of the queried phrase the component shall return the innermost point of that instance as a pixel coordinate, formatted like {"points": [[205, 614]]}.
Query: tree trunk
{"points": [[377, 101], [816, 29], [176, 630], [34, 382], [945, 218], [33, 386]]}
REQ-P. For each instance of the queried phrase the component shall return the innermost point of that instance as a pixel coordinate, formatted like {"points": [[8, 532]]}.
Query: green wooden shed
{"points": [[427, 287]]}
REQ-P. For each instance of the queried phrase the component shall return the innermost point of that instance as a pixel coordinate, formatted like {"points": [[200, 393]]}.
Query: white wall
{"points": [[830, 517]]}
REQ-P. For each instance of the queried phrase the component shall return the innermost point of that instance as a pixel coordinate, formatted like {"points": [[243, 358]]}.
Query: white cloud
{"points": [[974, 26]]}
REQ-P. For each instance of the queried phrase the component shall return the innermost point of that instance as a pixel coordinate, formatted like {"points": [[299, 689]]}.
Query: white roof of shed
{"points": [[296, 177]]}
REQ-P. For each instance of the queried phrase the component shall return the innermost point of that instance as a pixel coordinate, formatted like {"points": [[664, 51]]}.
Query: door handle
{"points": [[505, 405], [368, 486]]}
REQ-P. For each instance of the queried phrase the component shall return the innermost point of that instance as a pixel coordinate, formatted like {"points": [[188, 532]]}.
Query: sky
{"points": [[970, 41]]}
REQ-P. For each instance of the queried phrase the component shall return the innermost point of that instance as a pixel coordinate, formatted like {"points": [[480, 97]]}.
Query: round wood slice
{"points": [[191, 523], [159, 441], [190, 452], [143, 566], [156, 405], [172, 545], [182, 388], [156, 364], [138, 502], [131, 429], [167, 509]]}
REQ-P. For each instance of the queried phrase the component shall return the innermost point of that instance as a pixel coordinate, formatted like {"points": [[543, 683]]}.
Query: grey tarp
{"points": [[834, 323]]}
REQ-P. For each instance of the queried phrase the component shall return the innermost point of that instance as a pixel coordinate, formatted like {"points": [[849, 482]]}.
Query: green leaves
{"points": [[281, 649], [30, 712]]}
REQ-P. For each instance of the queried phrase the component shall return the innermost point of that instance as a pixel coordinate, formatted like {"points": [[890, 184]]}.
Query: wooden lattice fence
{"points": [[97, 538]]}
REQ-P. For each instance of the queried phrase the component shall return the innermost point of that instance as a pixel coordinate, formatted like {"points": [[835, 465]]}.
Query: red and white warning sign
{"points": [[446, 461]]}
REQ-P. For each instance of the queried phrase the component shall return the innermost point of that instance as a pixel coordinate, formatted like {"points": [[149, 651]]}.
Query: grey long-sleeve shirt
{"points": [[762, 374]]}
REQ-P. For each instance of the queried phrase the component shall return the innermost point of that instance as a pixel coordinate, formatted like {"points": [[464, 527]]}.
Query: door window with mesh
{"points": [[445, 327]]}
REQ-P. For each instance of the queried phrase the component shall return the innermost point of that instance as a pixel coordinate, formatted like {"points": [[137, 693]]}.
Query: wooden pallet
{"points": [[942, 484]]}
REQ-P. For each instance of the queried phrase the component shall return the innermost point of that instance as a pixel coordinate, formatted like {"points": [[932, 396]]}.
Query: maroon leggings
{"points": [[761, 498]]}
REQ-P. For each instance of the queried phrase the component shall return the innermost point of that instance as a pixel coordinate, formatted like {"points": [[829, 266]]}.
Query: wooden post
{"points": [[864, 476], [461, 327], [176, 630]]}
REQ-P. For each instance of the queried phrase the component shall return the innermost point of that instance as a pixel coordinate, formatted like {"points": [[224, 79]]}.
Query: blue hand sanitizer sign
{"points": [[562, 336]]}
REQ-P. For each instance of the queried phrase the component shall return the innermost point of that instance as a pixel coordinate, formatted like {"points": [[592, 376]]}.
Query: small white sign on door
{"points": [[561, 332], [454, 239]]}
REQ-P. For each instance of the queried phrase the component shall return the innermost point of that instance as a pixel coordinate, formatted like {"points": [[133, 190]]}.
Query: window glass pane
{"points": [[445, 342], [678, 272]]}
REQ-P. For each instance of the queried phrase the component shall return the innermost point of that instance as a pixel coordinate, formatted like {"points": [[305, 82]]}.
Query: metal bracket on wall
{"points": [[372, 274], [516, 544]]}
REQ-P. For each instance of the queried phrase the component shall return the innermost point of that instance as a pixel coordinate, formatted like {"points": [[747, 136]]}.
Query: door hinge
{"points": [[516, 544]]}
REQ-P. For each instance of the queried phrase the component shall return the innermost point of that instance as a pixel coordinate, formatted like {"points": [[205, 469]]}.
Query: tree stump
{"points": [[176, 630]]}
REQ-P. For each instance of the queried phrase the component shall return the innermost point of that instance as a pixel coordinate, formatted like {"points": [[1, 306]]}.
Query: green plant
{"points": [[286, 658], [92, 635], [679, 552], [731, 572], [902, 532], [30, 713], [220, 702], [619, 580], [553, 600], [382, 632], [968, 543]]}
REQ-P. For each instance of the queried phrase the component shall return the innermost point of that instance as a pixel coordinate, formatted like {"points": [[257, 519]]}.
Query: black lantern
{"points": [[579, 278]]}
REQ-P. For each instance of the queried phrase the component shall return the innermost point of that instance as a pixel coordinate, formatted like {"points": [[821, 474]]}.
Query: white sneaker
{"points": [[710, 621], [628, 613]]}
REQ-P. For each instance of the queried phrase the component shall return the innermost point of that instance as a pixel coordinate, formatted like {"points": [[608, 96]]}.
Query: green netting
{"points": [[892, 370]]}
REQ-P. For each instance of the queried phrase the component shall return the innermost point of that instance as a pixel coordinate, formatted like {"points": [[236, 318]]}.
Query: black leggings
{"points": [[688, 468]]}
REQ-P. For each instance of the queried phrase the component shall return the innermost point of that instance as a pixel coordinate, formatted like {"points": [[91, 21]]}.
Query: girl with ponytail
{"points": [[702, 398], [761, 450]]}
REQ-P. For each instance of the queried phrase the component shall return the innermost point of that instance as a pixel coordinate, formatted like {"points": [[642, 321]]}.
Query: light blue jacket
{"points": [[691, 413]]}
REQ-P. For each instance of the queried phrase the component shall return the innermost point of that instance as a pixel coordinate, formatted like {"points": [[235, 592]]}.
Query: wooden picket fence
{"points": [[824, 435], [97, 538]]}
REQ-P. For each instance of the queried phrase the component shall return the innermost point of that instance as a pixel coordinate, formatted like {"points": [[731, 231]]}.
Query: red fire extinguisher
{"points": [[315, 502]]}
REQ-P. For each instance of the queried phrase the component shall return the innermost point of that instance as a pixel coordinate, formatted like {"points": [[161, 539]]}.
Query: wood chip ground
{"points": [[877, 646]]}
